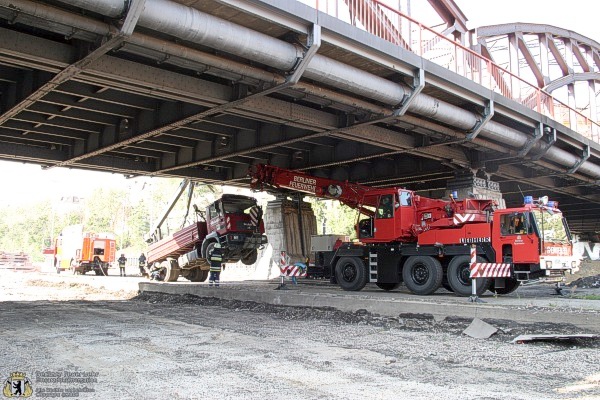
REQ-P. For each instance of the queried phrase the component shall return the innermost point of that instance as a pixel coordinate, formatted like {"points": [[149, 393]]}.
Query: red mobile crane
{"points": [[425, 243]]}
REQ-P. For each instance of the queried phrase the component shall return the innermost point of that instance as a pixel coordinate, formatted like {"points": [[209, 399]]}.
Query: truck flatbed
{"points": [[177, 244]]}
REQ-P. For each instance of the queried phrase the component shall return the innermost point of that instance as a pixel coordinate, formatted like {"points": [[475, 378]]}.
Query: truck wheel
{"points": [[209, 249], [388, 286], [351, 273], [197, 275], [458, 276], [250, 258], [422, 275], [171, 270], [510, 286]]}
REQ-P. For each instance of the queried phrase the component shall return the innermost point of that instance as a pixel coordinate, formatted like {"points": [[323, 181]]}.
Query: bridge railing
{"points": [[379, 19]]}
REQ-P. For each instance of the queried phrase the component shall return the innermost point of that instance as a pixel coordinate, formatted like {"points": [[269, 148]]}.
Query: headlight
{"points": [[573, 264], [548, 264]]}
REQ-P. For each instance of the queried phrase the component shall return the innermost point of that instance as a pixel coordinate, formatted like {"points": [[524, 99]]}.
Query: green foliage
{"points": [[126, 212], [24, 229], [588, 297], [339, 219], [106, 210]]}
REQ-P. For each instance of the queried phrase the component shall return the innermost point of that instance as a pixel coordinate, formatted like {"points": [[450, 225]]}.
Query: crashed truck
{"points": [[234, 221], [425, 243]]}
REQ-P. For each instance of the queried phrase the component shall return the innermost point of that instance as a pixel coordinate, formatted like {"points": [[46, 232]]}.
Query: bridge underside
{"points": [[151, 104]]}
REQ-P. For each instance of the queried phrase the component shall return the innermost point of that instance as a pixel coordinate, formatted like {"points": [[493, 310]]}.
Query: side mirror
{"points": [[396, 205]]}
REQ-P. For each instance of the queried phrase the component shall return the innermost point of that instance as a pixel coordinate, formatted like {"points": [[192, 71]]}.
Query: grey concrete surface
{"points": [[527, 305]]}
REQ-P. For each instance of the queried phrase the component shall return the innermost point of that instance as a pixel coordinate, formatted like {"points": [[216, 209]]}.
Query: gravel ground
{"points": [[156, 346]]}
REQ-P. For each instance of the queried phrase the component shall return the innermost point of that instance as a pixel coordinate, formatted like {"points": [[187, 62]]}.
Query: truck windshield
{"points": [[551, 225], [233, 206]]}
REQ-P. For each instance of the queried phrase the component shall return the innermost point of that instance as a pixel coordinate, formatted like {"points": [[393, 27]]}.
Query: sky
{"points": [[29, 183], [23, 183], [581, 16]]}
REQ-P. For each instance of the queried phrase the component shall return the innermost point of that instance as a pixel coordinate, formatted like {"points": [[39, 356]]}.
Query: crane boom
{"points": [[350, 194]]}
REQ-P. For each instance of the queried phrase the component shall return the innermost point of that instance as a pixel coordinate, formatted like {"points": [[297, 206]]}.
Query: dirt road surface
{"points": [[94, 337]]}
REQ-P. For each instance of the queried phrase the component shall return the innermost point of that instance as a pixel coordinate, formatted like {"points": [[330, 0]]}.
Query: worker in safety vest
{"points": [[142, 265], [216, 262], [122, 261]]}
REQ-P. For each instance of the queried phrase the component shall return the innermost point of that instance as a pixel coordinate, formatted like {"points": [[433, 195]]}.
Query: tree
{"points": [[338, 218], [127, 212]]}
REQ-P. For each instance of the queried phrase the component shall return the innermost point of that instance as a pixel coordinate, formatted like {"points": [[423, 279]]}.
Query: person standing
{"points": [[142, 264], [216, 261], [122, 261]]}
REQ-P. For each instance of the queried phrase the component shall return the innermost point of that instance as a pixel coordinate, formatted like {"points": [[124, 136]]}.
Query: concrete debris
{"points": [[552, 337], [479, 329]]}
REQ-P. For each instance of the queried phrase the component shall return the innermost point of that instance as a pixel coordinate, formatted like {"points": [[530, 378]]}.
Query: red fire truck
{"points": [[425, 243], [83, 252]]}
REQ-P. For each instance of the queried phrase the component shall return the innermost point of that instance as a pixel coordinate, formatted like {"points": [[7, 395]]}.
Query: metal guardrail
{"points": [[392, 25]]}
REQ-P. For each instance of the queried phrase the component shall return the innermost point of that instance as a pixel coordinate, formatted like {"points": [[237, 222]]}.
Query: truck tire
{"points": [[422, 275], [171, 270], [209, 249], [250, 258], [197, 275], [388, 286], [351, 273], [458, 276], [510, 286]]}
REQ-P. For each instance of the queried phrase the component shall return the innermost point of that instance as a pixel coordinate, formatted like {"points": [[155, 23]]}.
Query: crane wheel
{"points": [[351, 273], [422, 274], [459, 280]]}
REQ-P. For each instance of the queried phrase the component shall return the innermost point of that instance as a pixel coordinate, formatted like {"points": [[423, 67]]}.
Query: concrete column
{"points": [[467, 185], [286, 231]]}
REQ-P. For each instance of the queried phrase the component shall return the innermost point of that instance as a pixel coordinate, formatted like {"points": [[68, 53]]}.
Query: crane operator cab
{"points": [[514, 224], [381, 215]]}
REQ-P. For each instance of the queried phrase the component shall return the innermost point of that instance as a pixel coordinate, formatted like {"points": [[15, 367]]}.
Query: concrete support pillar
{"points": [[289, 227], [467, 185]]}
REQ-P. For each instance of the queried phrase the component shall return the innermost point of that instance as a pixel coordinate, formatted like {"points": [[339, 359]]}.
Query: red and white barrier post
{"points": [[286, 269], [473, 297], [485, 270]]}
